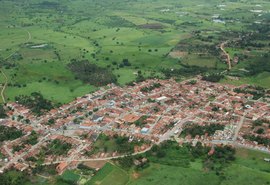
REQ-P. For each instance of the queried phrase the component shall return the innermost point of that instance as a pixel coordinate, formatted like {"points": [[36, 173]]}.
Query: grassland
{"points": [[249, 168], [104, 32], [109, 174]]}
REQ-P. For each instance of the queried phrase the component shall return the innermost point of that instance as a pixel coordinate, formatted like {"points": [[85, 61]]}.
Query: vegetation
{"points": [[2, 112], [179, 42], [36, 102], [9, 133], [257, 92], [68, 177], [222, 167], [13, 177], [195, 130], [121, 144], [212, 77], [151, 87], [259, 139], [58, 147], [91, 73], [109, 174], [141, 122], [32, 139]]}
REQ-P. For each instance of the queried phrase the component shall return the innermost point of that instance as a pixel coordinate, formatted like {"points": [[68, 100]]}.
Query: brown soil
{"points": [[154, 26], [95, 164], [135, 175], [178, 54]]}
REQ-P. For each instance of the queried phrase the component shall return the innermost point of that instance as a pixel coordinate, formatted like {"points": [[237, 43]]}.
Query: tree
{"points": [[2, 112]]}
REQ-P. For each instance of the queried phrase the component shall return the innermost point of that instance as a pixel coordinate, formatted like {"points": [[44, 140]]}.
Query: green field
{"points": [[39, 38], [248, 168], [109, 174]]}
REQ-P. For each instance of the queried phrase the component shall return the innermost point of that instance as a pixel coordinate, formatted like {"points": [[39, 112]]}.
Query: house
{"points": [[144, 130], [61, 167], [131, 118], [20, 166], [96, 118]]}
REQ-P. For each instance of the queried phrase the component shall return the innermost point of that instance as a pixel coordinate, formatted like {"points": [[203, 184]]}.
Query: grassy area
{"points": [[70, 176], [78, 30], [109, 174], [248, 168], [163, 174], [261, 79]]}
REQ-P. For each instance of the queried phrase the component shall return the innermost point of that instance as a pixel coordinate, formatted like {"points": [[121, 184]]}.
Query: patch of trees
{"points": [[115, 21], [9, 133], [47, 169], [139, 162], [141, 122], [126, 162], [58, 147], [201, 130], [257, 92], [32, 138], [259, 66], [185, 70], [221, 157], [35, 102], [151, 87], [13, 177], [17, 148], [91, 73], [123, 145], [212, 77], [2, 112], [259, 139], [260, 122], [170, 153], [124, 63]]}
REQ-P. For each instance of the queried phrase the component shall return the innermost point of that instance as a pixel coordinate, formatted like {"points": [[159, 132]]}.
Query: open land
{"points": [[39, 38]]}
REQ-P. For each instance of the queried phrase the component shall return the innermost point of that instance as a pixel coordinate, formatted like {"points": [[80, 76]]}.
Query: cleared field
{"points": [[109, 174], [70, 176], [162, 174], [262, 80]]}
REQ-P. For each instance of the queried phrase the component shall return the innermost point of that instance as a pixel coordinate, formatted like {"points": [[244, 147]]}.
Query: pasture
{"points": [[248, 168], [103, 32]]}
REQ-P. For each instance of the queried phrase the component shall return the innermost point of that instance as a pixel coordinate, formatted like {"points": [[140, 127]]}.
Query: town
{"points": [[141, 114]]}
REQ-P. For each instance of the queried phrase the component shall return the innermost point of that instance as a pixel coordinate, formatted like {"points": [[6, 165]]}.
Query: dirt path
{"points": [[5, 76], [4, 87], [98, 159], [222, 45]]}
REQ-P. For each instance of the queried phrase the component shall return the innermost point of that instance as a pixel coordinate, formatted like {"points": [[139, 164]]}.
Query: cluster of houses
{"points": [[130, 111]]}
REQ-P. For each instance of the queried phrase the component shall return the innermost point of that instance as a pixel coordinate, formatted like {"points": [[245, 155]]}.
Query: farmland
{"points": [[248, 167], [38, 40]]}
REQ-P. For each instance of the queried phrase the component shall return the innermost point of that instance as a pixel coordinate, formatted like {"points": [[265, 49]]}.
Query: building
{"points": [[61, 167]]}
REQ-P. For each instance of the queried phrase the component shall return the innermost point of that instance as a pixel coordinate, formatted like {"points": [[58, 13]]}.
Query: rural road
{"points": [[99, 159], [5, 76], [222, 45]]}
